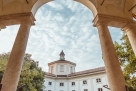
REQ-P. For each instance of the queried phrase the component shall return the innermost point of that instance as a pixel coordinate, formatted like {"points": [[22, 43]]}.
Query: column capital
{"points": [[129, 27], [99, 20], [18, 18], [113, 21]]}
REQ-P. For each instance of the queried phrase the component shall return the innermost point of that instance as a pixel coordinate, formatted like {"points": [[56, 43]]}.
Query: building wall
{"points": [[91, 85], [48, 87], [56, 68], [63, 88]]}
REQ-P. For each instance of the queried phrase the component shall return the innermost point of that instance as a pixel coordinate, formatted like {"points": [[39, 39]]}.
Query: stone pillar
{"points": [[113, 69], [131, 33], [13, 69], [15, 62]]}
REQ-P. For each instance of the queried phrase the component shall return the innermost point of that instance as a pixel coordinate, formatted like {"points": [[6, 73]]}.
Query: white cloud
{"points": [[55, 5]]}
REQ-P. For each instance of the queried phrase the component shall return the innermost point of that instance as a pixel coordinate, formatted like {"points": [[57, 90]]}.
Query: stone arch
{"points": [[87, 3], [90, 5], [38, 4]]}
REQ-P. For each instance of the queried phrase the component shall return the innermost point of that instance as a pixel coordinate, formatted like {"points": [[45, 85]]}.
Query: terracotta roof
{"points": [[87, 71], [61, 61], [49, 74], [77, 73]]}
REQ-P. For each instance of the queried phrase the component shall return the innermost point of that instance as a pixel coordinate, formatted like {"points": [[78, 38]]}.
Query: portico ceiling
{"points": [[120, 8]]}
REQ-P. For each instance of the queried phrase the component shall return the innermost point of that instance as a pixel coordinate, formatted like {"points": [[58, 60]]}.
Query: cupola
{"points": [[61, 66]]}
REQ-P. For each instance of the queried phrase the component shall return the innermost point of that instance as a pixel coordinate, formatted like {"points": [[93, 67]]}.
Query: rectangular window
{"points": [[85, 89], [84, 82], [100, 89], [98, 80], [61, 68], [61, 84], [73, 83], [50, 83], [73, 90]]}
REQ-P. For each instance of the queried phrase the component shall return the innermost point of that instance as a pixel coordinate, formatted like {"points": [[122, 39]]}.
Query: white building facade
{"points": [[61, 76]]}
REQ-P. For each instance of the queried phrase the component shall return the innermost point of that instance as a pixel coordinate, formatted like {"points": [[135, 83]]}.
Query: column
{"points": [[113, 69], [131, 33], [15, 62]]}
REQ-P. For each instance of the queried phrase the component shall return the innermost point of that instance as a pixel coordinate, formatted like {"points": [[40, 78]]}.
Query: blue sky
{"points": [[62, 25]]}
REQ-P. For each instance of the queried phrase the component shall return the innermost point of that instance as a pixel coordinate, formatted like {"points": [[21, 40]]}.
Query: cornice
{"points": [[76, 76], [113, 21], [99, 19], [129, 27], [58, 61], [18, 18], [93, 73]]}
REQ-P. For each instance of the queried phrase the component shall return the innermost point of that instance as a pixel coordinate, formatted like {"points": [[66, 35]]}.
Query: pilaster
{"points": [[113, 21], [18, 18]]}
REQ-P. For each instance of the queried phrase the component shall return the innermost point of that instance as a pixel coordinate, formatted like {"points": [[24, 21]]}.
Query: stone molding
{"points": [[129, 27], [60, 61], [113, 21], [77, 74], [99, 20], [18, 18]]}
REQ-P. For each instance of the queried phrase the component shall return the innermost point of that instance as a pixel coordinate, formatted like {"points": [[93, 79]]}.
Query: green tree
{"points": [[127, 60], [32, 76]]}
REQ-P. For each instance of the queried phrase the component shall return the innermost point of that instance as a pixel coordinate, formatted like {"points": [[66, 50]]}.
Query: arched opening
{"points": [[63, 25], [87, 3], [48, 22]]}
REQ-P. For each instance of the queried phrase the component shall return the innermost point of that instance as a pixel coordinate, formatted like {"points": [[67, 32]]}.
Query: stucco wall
{"points": [[91, 85], [67, 68]]}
